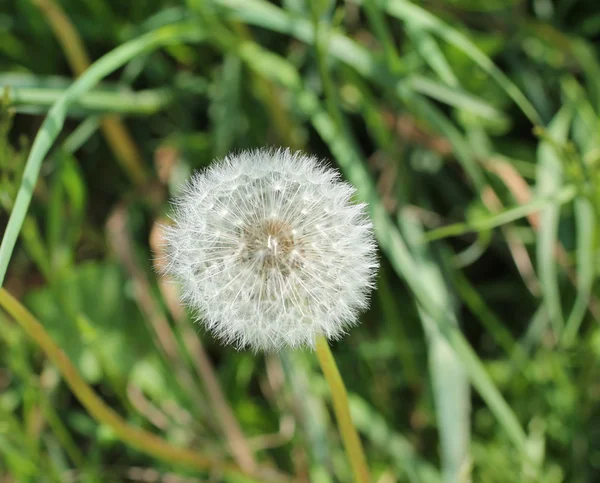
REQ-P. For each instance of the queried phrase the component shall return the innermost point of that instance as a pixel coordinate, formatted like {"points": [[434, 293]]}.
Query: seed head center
{"points": [[271, 243]]}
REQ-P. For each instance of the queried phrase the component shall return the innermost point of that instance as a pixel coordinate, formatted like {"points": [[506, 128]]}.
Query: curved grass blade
{"points": [[418, 17], [53, 123], [549, 182], [431, 53], [395, 248], [340, 47], [450, 382], [565, 195], [397, 446], [263, 14], [279, 70], [97, 101], [452, 96], [585, 219]]}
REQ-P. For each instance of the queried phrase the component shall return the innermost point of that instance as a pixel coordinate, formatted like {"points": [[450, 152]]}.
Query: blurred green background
{"points": [[472, 127]]}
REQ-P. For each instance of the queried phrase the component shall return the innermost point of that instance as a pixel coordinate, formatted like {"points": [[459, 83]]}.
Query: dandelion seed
{"points": [[271, 251]]}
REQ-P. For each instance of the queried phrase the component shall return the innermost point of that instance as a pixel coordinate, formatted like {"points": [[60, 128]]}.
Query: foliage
{"points": [[470, 127]]}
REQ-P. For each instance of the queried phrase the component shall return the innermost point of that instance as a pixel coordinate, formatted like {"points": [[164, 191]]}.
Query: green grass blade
{"points": [[279, 70], [549, 181], [585, 219], [431, 53], [452, 402], [53, 123], [461, 148], [27, 99], [388, 441], [565, 195], [418, 17], [267, 15], [395, 248], [395, 323], [453, 96], [340, 47], [384, 35], [489, 320], [451, 389]]}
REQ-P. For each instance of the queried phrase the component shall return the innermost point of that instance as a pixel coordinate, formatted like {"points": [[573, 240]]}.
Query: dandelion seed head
{"points": [[271, 251]]}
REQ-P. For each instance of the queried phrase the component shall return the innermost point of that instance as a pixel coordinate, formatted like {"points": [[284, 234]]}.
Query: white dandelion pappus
{"points": [[271, 251]]}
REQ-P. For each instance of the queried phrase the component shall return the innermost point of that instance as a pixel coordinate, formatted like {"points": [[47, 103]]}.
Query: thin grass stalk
{"points": [[53, 123], [147, 442], [144, 441], [115, 132], [339, 395], [240, 449]]}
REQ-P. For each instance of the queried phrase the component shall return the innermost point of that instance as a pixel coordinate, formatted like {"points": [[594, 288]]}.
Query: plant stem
{"points": [[143, 440], [54, 121], [118, 137], [350, 437], [240, 449], [563, 196], [40, 99]]}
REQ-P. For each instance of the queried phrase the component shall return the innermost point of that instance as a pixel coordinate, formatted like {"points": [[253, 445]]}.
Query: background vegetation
{"points": [[472, 128]]}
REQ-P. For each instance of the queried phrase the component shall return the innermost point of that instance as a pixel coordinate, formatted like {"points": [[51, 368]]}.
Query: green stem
{"points": [[143, 440], [55, 119], [565, 195], [350, 437], [114, 102]]}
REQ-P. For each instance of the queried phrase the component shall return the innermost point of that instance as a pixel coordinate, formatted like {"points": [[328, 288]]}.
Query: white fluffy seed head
{"points": [[271, 251]]}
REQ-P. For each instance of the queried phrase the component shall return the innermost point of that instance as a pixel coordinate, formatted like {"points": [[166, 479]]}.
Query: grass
{"points": [[472, 132]]}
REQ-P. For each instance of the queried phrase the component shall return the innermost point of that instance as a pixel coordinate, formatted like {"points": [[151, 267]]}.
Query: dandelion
{"points": [[271, 251]]}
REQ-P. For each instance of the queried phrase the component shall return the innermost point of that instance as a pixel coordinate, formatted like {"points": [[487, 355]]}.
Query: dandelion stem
{"points": [[350, 437]]}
